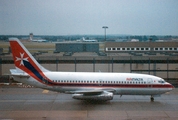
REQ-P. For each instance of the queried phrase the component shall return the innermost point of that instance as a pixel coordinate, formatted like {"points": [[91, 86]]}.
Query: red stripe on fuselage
{"points": [[113, 85]]}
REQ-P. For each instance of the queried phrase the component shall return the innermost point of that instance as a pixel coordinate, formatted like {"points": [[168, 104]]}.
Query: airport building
{"points": [[77, 47], [141, 47]]}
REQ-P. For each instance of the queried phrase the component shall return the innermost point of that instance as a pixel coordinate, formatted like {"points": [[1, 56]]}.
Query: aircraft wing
{"points": [[96, 94], [91, 92]]}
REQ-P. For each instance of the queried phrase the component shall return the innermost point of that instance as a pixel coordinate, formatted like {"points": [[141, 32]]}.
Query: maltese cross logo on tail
{"points": [[21, 59]]}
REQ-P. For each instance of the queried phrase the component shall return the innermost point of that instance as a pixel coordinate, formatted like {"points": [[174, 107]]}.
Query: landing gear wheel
{"points": [[152, 99]]}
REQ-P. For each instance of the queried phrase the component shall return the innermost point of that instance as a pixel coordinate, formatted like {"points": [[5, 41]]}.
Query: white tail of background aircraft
{"points": [[83, 85]]}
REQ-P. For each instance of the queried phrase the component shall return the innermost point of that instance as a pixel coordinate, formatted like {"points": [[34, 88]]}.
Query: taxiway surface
{"points": [[38, 104]]}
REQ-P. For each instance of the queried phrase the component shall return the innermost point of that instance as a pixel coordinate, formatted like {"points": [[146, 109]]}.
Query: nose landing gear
{"points": [[152, 98]]}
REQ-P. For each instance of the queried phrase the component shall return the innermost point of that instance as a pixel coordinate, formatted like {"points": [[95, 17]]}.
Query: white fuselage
{"points": [[120, 83]]}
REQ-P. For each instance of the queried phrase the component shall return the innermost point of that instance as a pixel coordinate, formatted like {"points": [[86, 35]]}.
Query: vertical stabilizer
{"points": [[23, 60]]}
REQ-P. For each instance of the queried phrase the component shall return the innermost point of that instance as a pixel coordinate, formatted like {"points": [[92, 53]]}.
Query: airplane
{"points": [[37, 40], [40, 40], [84, 40], [83, 85]]}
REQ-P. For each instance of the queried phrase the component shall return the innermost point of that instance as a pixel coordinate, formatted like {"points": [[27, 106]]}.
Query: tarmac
{"points": [[38, 104]]}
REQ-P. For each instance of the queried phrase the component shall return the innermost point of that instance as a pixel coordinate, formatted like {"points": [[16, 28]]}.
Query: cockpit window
{"points": [[161, 81]]}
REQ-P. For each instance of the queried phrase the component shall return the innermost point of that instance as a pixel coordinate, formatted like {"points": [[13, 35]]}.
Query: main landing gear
{"points": [[152, 98]]}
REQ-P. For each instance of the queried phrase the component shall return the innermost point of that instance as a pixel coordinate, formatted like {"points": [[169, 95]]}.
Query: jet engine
{"points": [[104, 96]]}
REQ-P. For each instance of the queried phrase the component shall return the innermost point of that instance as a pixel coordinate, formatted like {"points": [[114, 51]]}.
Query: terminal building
{"points": [[77, 47], [141, 47]]}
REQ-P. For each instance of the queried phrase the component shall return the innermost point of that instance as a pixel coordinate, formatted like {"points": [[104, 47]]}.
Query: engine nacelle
{"points": [[103, 96]]}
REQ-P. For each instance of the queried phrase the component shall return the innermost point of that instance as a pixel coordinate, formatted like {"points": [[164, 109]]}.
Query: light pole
{"points": [[105, 27]]}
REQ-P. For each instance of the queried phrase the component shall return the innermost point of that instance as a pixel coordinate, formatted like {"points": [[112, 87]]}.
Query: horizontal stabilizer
{"points": [[19, 74]]}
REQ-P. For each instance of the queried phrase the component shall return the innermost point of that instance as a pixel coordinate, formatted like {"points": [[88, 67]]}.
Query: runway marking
{"points": [[45, 91]]}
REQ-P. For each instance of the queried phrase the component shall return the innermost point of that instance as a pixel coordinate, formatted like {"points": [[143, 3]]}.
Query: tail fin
{"points": [[23, 60]]}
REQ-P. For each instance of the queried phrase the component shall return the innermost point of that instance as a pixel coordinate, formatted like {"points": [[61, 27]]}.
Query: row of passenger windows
{"points": [[141, 49], [99, 82]]}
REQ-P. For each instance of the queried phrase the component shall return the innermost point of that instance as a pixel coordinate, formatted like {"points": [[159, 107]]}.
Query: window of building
{"points": [[156, 48], [109, 48]]}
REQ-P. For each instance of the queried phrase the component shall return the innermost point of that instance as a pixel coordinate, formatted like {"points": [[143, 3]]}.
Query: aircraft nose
{"points": [[172, 86]]}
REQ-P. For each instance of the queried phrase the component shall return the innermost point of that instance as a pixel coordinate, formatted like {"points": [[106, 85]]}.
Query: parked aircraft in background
{"points": [[84, 40], [37, 40], [83, 85]]}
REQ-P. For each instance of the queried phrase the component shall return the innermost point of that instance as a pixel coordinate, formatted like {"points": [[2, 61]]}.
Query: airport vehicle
{"points": [[83, 85]]}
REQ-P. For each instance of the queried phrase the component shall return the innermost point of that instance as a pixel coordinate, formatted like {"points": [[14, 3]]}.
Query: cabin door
{"points": [[149, 82]]}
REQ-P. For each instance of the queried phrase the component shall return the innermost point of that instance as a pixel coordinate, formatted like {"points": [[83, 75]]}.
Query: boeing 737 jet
{"points": [[83, 85]]}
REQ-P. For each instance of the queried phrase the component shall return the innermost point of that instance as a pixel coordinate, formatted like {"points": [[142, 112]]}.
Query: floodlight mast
{"points": [[105, 27]]}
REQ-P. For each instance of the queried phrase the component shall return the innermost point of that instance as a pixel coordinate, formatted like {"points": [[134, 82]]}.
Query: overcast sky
{"points": [[69, 17]]}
